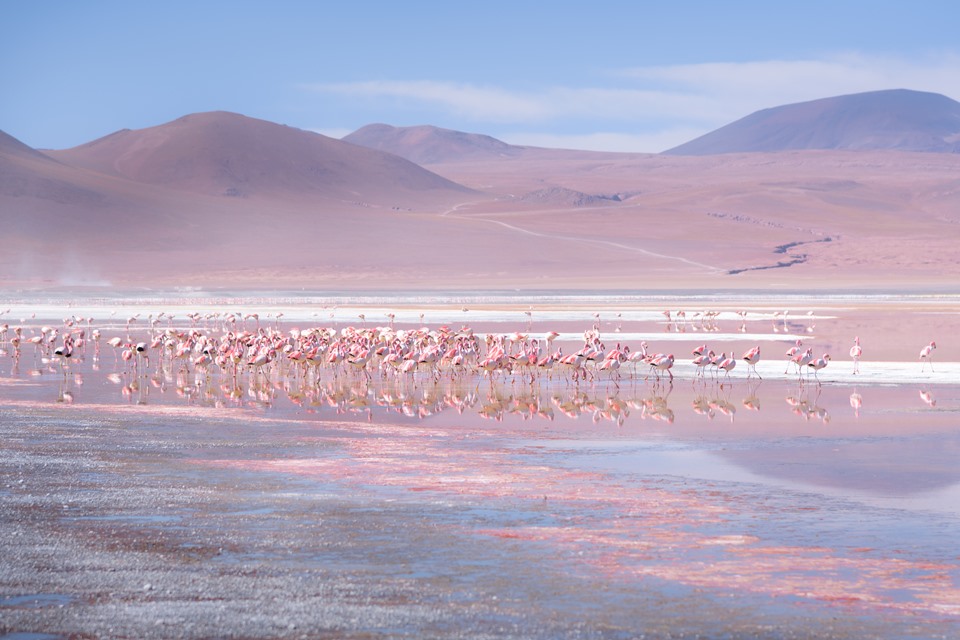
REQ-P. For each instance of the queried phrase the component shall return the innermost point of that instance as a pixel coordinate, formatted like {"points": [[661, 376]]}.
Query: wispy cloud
{"points": [[479, 102], [496, 104], [652, 106], [745, 87]]}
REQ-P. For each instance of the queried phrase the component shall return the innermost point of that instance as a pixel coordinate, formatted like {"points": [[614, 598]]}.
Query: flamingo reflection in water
{"points": [[804, 407], [856, 402]]}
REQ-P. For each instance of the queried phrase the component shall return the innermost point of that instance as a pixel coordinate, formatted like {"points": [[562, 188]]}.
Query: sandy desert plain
{"points": [[159, 498]]}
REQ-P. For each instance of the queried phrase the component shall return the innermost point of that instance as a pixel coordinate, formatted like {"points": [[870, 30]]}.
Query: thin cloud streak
{"points": [[485, 103], [501, 105], [650, 107], [758, 85]]}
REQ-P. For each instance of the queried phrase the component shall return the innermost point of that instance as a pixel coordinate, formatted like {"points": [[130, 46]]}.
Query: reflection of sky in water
{"points": [[934, 489]]}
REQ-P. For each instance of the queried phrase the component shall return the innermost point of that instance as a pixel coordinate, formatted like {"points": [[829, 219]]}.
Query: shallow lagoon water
{"points": [[477, 508]]}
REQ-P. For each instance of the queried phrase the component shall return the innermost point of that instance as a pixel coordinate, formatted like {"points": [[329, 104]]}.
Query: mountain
{"points": [[10, 147], [897, 119], [221, 200], [227, 154], [428, 145], [210, 193], [29, 177]]}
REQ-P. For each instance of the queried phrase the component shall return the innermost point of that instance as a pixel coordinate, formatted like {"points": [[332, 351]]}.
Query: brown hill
{"points": [[894, 119], [227, 154], [149, 206], [429, 145], [25, 172], [11, 147]]}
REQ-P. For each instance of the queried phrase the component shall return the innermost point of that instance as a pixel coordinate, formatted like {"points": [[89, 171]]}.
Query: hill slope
{"points": [[150, 205], [428, 145], [220, 153], [895, 119]]}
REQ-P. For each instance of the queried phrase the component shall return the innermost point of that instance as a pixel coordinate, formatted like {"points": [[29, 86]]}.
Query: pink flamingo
{"points": [[637, 356], [818, 364], [702, 361], [64, 352], [547, 362], [727, 365], [855, 352], [664, 363], [262, 358], [802, 359], [574, 363], [752, 357], [127, 355], [613, 366], [926, 354], [792, 353]]}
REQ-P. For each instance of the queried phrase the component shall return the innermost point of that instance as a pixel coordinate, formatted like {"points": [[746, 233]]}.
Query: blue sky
{"points": [[618, 76]]}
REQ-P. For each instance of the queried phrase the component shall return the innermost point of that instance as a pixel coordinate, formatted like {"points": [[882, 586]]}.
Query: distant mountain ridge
{"points": [[222, 153], [427, 144], [11, 147], [221, 198], [895, 119], [215, 189]]}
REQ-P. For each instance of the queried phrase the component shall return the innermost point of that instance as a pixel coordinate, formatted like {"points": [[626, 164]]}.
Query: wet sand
{"points": [[717, 508]]}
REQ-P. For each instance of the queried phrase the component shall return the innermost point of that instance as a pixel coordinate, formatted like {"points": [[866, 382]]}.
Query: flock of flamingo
{"points": [[417, 372], [383, 350]]}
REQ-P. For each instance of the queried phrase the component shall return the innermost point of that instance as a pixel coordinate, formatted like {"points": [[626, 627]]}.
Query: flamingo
{"points": [[664, 363], [752, 357], [855, 352], [64, 352], [926, 355], [702, 361], [574, 363], [727, 364], [612, 365], [550, 337], [547, 362], [792, 353], [127, 355], [37, 341], [638, 356], [141, 351], [803, 359], [261, 359], [818, 364]]}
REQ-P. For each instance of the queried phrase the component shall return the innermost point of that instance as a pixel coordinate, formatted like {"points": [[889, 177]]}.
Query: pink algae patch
{"points": [[626, 531]]}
